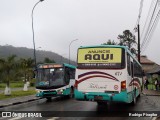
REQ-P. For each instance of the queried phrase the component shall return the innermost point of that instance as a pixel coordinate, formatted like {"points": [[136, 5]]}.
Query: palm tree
{"points": [[25, 68], [127, 38], [7, 67]]}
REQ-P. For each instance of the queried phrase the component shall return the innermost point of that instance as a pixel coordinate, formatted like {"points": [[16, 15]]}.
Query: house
{"points": [[155, 70], [148, 65]]}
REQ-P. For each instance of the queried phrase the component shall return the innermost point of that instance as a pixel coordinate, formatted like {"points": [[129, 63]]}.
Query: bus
{"points": [[55, 80], [107, 73]]}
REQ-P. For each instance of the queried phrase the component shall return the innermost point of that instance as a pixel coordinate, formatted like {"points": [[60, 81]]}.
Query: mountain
{"points": [[23, 52]]}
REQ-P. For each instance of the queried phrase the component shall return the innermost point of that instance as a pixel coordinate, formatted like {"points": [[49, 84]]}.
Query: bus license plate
{"points": [[98, 97]]}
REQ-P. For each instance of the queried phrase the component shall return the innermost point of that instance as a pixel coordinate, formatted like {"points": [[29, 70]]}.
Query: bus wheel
{"points": [[100, 103], [134, 98], [72, 92], [139, 95], [49, 99]]}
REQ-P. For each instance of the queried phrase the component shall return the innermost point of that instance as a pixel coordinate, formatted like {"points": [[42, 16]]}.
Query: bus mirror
{"points": [[34, 73]]}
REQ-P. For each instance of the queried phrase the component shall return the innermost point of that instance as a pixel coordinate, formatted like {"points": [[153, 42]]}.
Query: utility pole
{"points": [[69, 48], [138, 43]]}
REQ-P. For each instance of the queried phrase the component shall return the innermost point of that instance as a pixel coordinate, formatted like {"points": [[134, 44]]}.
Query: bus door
{"points": [[66, 75], [69, 75]]}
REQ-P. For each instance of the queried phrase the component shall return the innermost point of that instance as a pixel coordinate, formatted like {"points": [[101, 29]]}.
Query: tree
{"points": [[127, 38], [25, 66], [47, 60], [7, 67], [109, 42]]}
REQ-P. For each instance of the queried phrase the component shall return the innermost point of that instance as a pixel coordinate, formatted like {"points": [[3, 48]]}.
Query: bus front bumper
{"points": [[54, 93]]}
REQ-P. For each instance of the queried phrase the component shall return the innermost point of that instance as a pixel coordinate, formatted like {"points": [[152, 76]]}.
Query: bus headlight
{"points": [[38, 91], [61, 90]]}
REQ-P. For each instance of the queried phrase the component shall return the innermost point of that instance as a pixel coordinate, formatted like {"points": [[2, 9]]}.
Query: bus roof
{"points": [[69, 65], [65, 64], [112, 46]]}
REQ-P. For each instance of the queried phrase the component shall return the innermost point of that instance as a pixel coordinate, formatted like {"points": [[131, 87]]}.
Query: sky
{"points": [[58, 22]]}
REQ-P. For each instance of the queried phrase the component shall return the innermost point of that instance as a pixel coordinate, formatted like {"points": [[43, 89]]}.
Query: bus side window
{"points": [[128, 65], [132, 70], [67, 75], [72, 73], [137, 70]]}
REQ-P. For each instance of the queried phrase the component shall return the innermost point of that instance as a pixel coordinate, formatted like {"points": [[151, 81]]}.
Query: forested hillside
{"points": [[23, 52]]}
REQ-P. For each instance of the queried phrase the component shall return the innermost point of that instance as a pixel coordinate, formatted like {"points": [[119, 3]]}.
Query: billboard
{"points": [[99, 57]]}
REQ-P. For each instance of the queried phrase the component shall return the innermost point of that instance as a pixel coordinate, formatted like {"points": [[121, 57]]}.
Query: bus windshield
{"points": [[101, 58], [50, 77]]}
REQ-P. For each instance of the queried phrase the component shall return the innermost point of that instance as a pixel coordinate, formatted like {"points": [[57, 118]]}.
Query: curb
{"points": [[25, 101], [19, 102], [5, 105], [156, 118], [150, 94]]}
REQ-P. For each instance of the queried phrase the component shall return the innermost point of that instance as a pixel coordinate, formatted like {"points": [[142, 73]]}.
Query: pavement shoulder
{"points": [[151, 92], [17, 100]]}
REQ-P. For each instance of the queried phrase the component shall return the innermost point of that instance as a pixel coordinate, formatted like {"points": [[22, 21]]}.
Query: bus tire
{"points": [[134, 98], [71, 95], [100, 103], [49, 99], [139, 95], [72, 92]]}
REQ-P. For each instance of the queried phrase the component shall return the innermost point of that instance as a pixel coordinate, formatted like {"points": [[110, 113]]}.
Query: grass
{"points": [[17, 94], [12, 85], [17, 84]]}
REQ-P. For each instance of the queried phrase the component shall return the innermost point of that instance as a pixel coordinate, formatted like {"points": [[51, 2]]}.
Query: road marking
{"points": [[53, 118]]}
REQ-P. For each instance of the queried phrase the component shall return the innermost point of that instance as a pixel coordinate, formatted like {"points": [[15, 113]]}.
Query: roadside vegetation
{"points": [[18, 84], [15, 73], [17, 94]]}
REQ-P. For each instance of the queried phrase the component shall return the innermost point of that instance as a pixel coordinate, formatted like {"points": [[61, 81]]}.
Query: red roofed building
{"points": [[147, 65]]}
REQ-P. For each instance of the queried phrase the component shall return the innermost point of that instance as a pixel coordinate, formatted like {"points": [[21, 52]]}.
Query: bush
{"points": [[151, 87], [32, 82]]}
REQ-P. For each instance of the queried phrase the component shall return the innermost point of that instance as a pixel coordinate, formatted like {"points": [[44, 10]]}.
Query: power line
{"points": [[147, 17], [151, 31], [150, 26]]}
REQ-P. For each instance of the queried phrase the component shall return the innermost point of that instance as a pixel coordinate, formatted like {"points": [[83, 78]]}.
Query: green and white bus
{"points": [[55, 80], [107, 73]]}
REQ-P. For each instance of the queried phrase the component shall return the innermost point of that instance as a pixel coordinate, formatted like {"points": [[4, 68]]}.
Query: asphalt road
{"points": [[82, 110]]}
